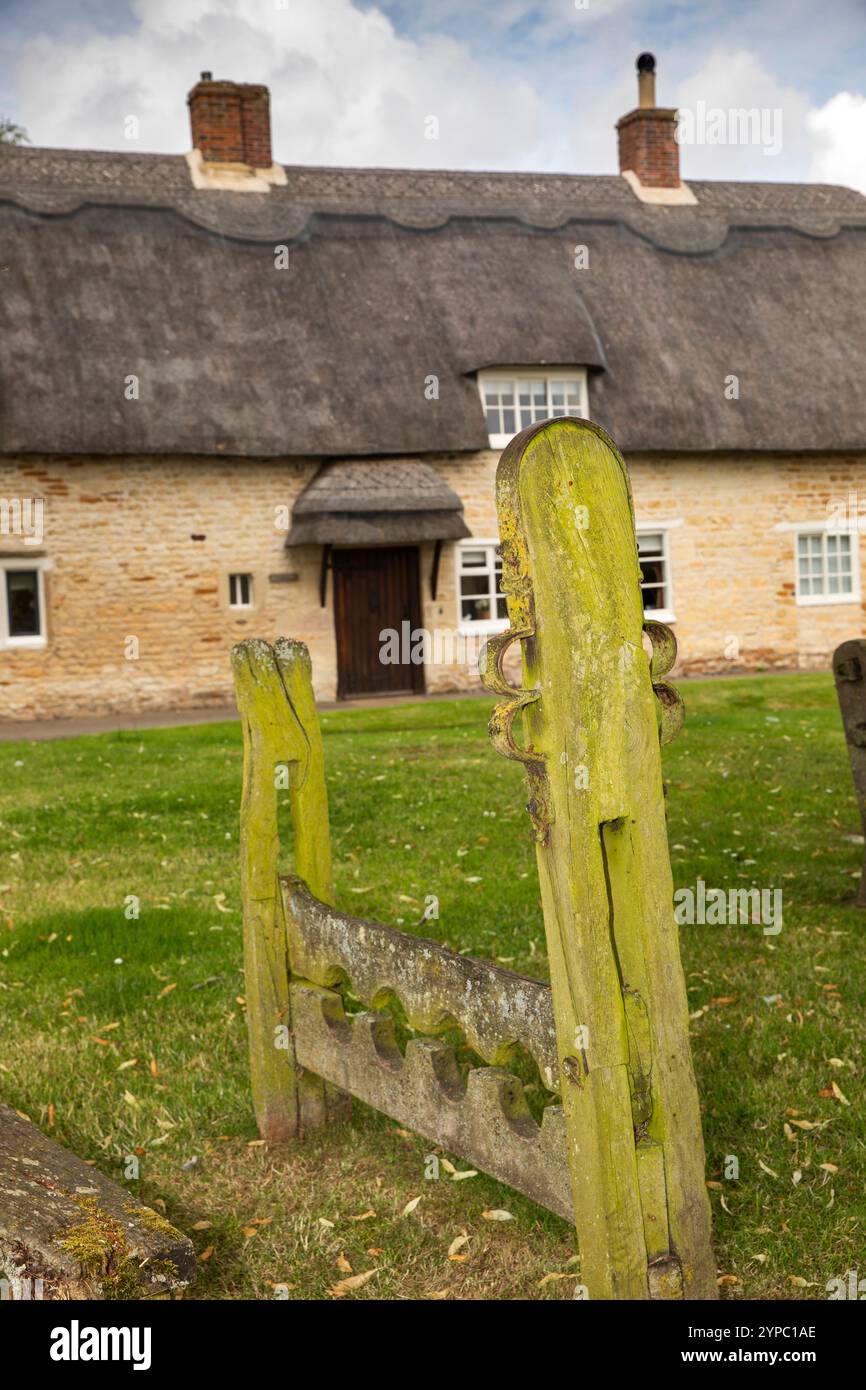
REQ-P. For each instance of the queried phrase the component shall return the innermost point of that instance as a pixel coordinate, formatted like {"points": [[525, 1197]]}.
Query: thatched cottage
{"points": [[240, 398]]}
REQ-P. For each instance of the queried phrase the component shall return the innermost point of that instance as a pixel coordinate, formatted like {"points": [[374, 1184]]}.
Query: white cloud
{"points": [[348, 88], [734, 80], [838, 129], [345, 87]]}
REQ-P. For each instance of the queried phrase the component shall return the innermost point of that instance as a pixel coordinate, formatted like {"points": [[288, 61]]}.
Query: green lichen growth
{"points": [[152, 1219], [99, 1246]]}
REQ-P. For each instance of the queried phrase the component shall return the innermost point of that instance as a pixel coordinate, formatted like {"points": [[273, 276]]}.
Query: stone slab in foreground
{"points": [[68, 1225]]}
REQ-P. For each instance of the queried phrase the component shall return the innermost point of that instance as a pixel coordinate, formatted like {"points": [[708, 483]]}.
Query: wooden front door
{"points": [[375, 590]]}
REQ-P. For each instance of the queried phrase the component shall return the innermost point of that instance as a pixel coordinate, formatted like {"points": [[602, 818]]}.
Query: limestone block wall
{"points": [[142, 548]]}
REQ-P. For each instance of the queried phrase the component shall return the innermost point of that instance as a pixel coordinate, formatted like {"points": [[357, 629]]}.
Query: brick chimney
{"points": [[648, 146], [231, 122]]}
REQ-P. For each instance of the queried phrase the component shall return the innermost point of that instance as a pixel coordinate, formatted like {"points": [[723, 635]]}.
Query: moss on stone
{"points": [[152, 1219], [100, 1247]]}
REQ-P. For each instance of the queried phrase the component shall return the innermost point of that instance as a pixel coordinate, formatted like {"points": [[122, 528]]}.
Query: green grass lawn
{"points": [[127, 1037]]}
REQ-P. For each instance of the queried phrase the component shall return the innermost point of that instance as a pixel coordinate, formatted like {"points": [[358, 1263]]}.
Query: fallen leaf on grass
{"points": [[549, 1279], [838, 1094], [800, 1283], [804, 1124], [829, 1167], [410, 1206], [343, 1264], [220, 902], [357, 1281], [206, 1254], [463, 1173], [364, 1215], [133, 1062], [727, 1279], [724, 999], [497, 1214], [457, 1244], [168, 989], [250, 1231], [762, 1164], [202, 1226]]}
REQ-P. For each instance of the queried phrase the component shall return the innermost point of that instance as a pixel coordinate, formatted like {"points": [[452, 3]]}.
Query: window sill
{"points": [[659, 615], [12, 644], [488, 628], [825, 600], [499, 441]]}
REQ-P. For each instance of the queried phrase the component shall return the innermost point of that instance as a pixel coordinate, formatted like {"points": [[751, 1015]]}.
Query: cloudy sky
{"points": [[513, 84]]}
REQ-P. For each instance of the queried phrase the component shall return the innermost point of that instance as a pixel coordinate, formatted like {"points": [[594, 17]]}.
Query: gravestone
{"points": [[849, 673]]}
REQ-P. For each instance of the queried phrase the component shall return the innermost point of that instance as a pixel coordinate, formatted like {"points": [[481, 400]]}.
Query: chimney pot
{"points": [[647, 135], [646, 80]]}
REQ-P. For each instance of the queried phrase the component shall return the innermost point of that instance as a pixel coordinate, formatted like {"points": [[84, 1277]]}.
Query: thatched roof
{"points": [[113, 265], [361, 502]]}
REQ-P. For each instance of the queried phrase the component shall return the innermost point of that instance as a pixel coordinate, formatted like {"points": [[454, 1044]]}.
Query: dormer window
{"points": [[517, 398]]}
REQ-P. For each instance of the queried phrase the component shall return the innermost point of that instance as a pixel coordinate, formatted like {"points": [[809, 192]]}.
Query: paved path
{"points": [[174, 718]]}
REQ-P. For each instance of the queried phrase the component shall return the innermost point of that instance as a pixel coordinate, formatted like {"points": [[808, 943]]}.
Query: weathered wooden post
{"points": [[282, 752], [849, 672], [593, 717]]}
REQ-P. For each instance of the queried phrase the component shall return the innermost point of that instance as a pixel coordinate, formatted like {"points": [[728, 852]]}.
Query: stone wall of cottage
{"points": [[143, 548]]}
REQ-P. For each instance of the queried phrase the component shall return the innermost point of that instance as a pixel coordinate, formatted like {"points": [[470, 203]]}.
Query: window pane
{"points": [[475, 610], [508, 422], [22, 595], [473, 559], [649, 542], [474, 584]]}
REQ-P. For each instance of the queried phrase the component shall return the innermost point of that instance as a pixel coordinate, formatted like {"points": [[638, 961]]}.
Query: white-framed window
{"points": [[240, 591], [827, 570], [22, 603], [519, 397], [653, 554], [480, 601]]}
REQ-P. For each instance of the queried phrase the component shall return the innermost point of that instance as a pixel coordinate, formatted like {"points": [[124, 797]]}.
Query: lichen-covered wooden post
{"points": [[849, 672], [593, 715], [282, 752]]}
